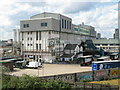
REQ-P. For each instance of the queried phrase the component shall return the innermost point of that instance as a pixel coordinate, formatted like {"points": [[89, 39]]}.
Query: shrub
{"points": [[31, 82]]}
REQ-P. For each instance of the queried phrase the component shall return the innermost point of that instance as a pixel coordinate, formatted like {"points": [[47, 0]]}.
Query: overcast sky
{"points": [[102, 14]]}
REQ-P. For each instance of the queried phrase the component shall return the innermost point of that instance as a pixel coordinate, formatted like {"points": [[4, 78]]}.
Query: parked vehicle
{"points": [[104, 58], [114, 56], [34, 64], [85, 60], [99, 65]]}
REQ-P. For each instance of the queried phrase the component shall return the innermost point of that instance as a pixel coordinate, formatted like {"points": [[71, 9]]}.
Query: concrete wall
{"points": [[90, 75], [35, 25]]}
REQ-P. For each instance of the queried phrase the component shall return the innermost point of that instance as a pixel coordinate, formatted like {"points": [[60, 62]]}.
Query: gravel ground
{"points": [[51, 69]]}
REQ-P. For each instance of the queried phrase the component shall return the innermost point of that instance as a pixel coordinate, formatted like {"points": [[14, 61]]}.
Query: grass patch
{"points": [[110, 82]]}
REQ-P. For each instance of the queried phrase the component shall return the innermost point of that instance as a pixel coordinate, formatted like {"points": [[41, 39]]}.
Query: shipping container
{"points": [[99, 65]]}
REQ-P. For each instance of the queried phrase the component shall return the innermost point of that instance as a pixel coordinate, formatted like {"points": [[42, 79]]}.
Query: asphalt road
{"points": [[51, 69]]}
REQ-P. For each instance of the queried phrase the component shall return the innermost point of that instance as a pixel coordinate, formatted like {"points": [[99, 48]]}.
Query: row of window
{"points": [[107, 44], [66, 24], [29, 33], [29, 38], [29, 44], [38, 35], [44, 24], [25, 25], [37, 48]]}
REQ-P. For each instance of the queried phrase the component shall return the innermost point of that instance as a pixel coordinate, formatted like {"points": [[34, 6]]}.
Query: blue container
{"points": [[99, 65]]}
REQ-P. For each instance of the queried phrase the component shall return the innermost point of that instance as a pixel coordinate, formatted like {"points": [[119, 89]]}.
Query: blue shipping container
{"points": [[99, 65]]}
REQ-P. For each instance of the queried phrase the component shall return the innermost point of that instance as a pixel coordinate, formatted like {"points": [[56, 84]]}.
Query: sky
{"points": [[101, 14]]}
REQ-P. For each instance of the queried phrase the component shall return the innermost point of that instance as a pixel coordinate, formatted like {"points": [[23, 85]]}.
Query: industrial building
{"points": [[46, 34]]}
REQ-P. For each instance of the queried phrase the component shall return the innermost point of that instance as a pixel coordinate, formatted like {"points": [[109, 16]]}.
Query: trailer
{"points": [[99, 65], [85, 60], [104, 58]]}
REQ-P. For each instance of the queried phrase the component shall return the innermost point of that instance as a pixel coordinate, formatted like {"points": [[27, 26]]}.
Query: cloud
{"points": [[104, 18], [75, 7], [99, 14]]}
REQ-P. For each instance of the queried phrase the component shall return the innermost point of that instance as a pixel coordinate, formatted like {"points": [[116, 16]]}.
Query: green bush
{"points": [[31, 82]]}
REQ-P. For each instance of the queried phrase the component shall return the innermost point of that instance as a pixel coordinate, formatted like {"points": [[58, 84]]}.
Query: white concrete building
{"points": [[16, 34], [108, 45], [44, 35]]}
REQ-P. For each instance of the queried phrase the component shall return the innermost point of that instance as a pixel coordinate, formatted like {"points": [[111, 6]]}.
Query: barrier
{"points": [[101, 75], [84, 76]]}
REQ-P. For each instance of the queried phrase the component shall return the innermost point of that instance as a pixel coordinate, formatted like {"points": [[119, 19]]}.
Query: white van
{"points": [[34, 64]]}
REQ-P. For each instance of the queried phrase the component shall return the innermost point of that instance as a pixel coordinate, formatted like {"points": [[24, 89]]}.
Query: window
{"points": [[65, 24], [31, 38], [36, 35], [22, 36], [39, 35], [36, 46], [31, 32], [28, 38], [28, 33], [28, 44], [31, 44], [39, 46], [105, 44], [25, 25], [70, 24], [62, 23], [44, 24]]}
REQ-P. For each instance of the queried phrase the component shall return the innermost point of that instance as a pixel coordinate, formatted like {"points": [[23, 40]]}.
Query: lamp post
{"points": [[59, 36]]}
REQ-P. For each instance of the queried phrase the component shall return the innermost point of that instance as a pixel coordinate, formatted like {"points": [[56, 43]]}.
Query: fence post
{"points": [[109, 87], [93, 75], [84, 86], [101, 87], [75, 77], [92, 86]]}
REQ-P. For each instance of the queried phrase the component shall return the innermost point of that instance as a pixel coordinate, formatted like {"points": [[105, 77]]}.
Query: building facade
{"points": [[98, 36], [116, 34], [119, 19], [108, 45], [45, 35]]}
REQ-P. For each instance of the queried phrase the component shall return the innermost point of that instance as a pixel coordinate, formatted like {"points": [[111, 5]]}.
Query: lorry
{"points": [[99, 65], [85, 60]]}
